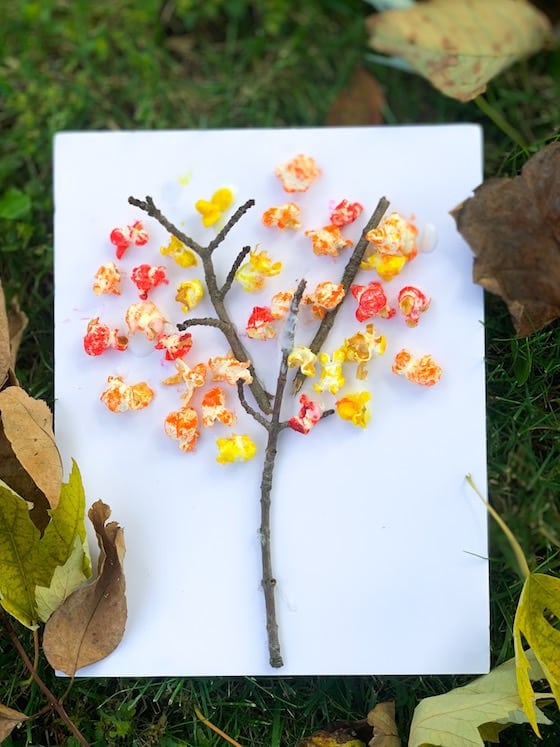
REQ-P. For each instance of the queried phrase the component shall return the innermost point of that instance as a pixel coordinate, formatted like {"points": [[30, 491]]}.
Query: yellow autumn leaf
{"points": [[66, 578], [466, 716], [460, 46], [29, 560], [540, 597]]}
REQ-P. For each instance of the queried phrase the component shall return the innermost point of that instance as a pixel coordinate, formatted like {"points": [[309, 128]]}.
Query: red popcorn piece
{"points": [[124, 236], [99, 338], [372, 301], [424, 371], [412, 302], [175, 345], [346, 212], [259, 326], [107, 279], [309, 415], [146, 277]]}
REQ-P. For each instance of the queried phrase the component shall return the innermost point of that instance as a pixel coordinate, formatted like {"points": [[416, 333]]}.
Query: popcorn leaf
{"points": [[459, 47], [538, 604], [513, 228], [90, 623], [466, 716]]}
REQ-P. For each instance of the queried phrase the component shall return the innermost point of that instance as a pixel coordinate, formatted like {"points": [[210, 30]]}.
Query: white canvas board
{"points": [[379, 545]]}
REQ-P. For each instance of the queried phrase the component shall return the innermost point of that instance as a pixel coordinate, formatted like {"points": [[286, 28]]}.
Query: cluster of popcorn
{"points": [[392, 245]]}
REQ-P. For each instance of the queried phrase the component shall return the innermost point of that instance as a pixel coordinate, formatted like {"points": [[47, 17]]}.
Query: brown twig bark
{"points": [[215, 293], [352, 267], [54, 702]]}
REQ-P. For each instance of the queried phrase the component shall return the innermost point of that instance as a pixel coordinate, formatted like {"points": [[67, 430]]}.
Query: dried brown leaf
{"points": [[5, 350], [90, 623], [338, 738], [513, 228], [9, 719], [460, 46], [361, 102], [30, 463], [17, 323], [385, 733]]}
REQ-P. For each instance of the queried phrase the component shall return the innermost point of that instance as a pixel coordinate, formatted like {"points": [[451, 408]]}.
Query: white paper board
{"points": [[379, 546]]}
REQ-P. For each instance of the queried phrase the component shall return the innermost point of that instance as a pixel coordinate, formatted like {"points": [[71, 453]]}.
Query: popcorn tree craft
{"points": [[392, 238]]}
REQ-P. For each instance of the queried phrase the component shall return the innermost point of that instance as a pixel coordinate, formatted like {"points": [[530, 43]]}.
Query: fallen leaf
{"points": [[513, 228], [5, 348], [339, 738], [27, 559], [14, 204], [17, 323], [476, 712], [9, 719], [361, 102], [460, 46], [90, 623], [385, 733], [26, 424], [540, 597]]}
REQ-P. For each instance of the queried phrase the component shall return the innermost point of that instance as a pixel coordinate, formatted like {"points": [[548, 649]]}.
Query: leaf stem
{"points": [[54, 702], [501, 122]]}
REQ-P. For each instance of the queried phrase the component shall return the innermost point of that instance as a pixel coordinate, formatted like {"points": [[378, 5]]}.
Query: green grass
{"points": [[109, 65]]}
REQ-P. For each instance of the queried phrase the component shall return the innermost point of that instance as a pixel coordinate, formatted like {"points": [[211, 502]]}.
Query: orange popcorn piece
{"points": [[412, 302], [107, 279], [424, 371], [326, 296], [280, 304], [214, 408], [283, 216], [298, 174], [229, 369], [346, 212], [182, 425], [145, 317], [121, 397], [193, 378], [328, 241], [393, 243]]}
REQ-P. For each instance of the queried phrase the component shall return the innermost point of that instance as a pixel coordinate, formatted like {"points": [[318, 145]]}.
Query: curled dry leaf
{"points": [[5, 348], [460, 46], [29, 459], [9, 719], [513, 228], [12, 325], [90, 623], [385, 733], [361, 102]]}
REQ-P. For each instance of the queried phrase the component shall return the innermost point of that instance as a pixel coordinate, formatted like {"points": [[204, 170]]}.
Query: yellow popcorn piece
{"points": [[362, 347], [304, 358], [253, 273], [189, 294], [354, 408], [235, 449], [184, 256], [331, 379]]}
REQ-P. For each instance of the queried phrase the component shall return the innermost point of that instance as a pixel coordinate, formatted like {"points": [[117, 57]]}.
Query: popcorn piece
{"points": [[354, 408], [124, 236], [298, 174], [372, 301], [193, 378], [107, 280], [304, 358], [326, 296], [230, 369], [99, 338], [346, 212], [214, 408], [252, 274], [332, 378], [308, 415], [184, 256], [147, 318], [280, 304], [361, 347], [412, 302], [121, 397], [182, 425], [211, 211], [283, 216], [393, 243], [328, 241], [175, 345], [189, 294], [146, 277], [424, 370], [235, 449], [259, 326]]}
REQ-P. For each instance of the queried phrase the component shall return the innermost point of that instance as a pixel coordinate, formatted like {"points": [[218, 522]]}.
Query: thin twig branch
{"points": [[149, 207], [268, 580], [52, 699], [231, 274], [204, 321], [250, 410], [239, 213], [348, 276]]}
